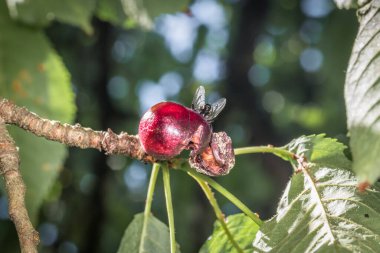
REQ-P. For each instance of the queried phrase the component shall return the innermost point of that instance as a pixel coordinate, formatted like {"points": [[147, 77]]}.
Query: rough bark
{"points": [[76, 135], [15, 188]]}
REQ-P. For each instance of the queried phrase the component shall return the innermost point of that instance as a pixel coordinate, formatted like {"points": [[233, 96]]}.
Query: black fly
{"points": [[208, 111]]}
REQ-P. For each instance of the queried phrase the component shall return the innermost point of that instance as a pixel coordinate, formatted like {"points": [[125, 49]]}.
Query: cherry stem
{"points": [[152, 184], [148, 203], [218, 212], [278, 151], [169, 207], [234, 200]]}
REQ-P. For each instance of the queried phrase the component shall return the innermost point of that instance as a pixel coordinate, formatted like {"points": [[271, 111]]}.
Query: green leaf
{"points": [[42, 12], [321, 209], [243, 230], [155, 239], [112, 11], [362, 95], [32, 75], [128, 13], [319, 149]]}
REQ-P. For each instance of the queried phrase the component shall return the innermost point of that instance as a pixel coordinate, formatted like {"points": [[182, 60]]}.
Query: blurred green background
{"points": [[281, 66]]}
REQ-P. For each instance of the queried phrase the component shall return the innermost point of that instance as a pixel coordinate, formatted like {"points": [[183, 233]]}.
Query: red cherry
{"points": [[167, 128]]}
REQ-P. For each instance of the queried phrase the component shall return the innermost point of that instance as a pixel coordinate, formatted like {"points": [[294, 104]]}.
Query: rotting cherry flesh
{"points": [[217, 159]]}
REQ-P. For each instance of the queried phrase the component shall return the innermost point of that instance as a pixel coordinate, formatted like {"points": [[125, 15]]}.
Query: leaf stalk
{"points": [[228, 195], [169, 208], [278, 151], [218, 212], [148, 203]]}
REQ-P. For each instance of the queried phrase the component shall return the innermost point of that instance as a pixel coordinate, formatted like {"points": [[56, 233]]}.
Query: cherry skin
{"points": [[167, 128]]}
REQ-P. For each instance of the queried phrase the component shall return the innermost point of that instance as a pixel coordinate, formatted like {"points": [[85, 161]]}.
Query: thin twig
{"points": [[15, 187], [73, 135]]}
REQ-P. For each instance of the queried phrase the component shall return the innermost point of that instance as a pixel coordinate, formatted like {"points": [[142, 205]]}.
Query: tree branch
{"points": [[76, 136], [15, 187]]}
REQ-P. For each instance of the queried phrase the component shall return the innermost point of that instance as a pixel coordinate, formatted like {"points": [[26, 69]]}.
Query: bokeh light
{"points": [[171, 83], [208, 67], [124, 48], [67, 247], [265, 52], [217, 39], [117, 87], [259, 75], [135, 177], [236, 132], [273, 101], [4, 208], [87, 183], [317, 8], [48, 233], [150, 94], [276, 30], [310, 31], [179, 32], [209, 13], [311, 59], [116, 162]]}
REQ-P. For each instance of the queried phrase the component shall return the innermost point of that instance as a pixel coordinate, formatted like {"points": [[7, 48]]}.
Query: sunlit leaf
{"points": [[241, 227], [32, 75], [347, 4], [153, 239], [42, 12], [128, 13], [362, 94], [321, 209]]}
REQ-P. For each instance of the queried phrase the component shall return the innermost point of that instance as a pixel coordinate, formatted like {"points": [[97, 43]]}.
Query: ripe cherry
{"points": [[167, 128]]}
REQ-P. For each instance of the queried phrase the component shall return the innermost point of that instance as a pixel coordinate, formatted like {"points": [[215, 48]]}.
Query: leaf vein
{"points": [[319, 200], [360, 51], [360, 78], [282, 242], [352, 200], [353, 222]]}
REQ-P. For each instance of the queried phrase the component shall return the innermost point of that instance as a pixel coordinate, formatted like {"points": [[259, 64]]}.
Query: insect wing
{"points": [[199, 99], [216, 108]]}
